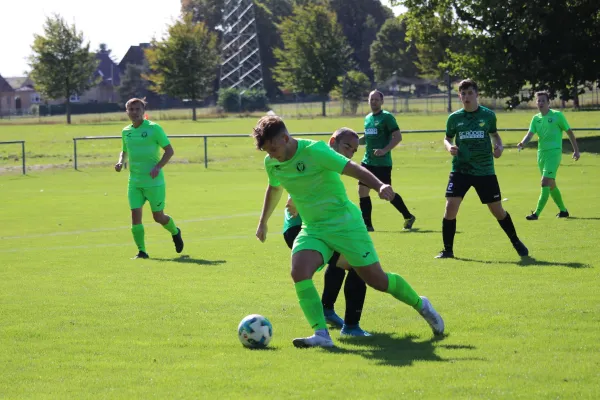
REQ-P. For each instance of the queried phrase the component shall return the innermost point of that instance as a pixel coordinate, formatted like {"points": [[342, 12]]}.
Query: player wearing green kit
{"points": [[310, 172], [345, 142], [473, 165], [382, 134], [549, 125], [141, 142]]}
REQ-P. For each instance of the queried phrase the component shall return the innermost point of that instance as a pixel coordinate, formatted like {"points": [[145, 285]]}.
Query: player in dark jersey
{"points": [[382, 134], [473, 165]]}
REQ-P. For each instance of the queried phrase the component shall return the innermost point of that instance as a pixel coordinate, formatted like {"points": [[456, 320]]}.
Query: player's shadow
{"points": [[190, 260], [413, 230], [531, 261], [391, 350]]}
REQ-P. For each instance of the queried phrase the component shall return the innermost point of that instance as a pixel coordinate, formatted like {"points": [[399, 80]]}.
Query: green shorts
{"points": [[548, 162], [155, 195], [355, 245]]}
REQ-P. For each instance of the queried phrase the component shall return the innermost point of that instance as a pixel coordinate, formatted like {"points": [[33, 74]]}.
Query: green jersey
{"points": [[290, 221], [471, 131], [312, 178], [142, 145], [549, 129], [378, 134]]}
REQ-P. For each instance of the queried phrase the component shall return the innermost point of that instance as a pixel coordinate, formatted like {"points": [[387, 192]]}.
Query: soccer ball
{"points": [[255, 331]]}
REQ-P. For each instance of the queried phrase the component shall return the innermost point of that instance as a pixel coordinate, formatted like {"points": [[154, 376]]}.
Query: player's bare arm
{"points": [[396, 139], [573, 141], [272, 197], [526, 139], [450, 146], [364, 175], [497, 144], [119, 164], [163, 161]]}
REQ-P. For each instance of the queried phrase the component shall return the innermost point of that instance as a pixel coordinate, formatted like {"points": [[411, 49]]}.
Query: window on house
{"points": [[35, 98], [74, 98]]}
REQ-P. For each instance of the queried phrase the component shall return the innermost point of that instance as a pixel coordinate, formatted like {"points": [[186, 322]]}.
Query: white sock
{"points": [[323, 333]]}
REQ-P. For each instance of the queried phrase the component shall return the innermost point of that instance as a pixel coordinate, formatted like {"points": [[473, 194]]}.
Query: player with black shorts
{"points": [[473, 166], [382, 134]]}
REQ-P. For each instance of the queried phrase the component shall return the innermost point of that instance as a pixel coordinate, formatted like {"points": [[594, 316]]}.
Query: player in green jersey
{"points": [[382, 134], [345, 142], [141, 142], [310, 172], [549, 125], [473, 165]]}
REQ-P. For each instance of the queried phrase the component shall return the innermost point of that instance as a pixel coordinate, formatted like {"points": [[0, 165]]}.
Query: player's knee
{"points": [[299, 274]]}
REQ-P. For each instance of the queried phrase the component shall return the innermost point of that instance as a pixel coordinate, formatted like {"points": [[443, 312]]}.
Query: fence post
{"points": [[23, 151], [205, 151], [75, 153]]}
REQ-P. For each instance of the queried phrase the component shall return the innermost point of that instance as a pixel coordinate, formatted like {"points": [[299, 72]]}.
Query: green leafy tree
{"points": [[61, 63], [315, 52], [183, 64], [392, 53], [133, 83], [553, 44], [209, 12], [352, 89]]}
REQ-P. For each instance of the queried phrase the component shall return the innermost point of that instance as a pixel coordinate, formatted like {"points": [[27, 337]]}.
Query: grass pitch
{"points": [[79, 319]]}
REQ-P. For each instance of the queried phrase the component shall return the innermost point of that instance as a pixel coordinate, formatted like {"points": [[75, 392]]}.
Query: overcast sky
{"points": [[117, 23]]}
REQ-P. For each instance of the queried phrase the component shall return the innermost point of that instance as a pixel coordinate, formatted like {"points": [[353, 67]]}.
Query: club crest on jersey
{"points": [[144, 134], [481, 123], [300, 166], [549, 120]]}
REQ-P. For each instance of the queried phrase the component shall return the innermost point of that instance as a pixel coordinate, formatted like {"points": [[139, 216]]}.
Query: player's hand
{"points": [[576, 155], [379, 152], [453, 150], [498, 151], [291, 208], [386, 192], [118, 167], [261, 232], [155, 171], [520, 146]]}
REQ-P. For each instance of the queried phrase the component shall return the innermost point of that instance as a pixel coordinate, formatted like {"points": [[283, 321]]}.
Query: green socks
{"points": [[402, 291], [310, 302], [556, 196], [544, 194], [171, 227], [138, 236]]}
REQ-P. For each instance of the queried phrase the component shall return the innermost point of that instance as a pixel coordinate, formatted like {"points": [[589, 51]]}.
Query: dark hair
{"points": [[467, 83], [267, 128], [135, 100], [338, 134], [377, 92], [543, 93]]}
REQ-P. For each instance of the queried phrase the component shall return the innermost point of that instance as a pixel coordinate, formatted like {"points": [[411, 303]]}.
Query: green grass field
{"points": [[79, 319]]}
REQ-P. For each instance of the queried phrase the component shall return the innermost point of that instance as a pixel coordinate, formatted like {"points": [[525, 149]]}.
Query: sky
{"points": [[100, 22]]}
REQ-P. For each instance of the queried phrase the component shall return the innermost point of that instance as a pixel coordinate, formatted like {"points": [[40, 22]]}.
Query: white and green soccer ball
{"points": [[255, 331]]}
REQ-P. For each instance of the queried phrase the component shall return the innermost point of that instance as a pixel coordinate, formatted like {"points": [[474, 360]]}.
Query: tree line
{"points": [[344, 47]]}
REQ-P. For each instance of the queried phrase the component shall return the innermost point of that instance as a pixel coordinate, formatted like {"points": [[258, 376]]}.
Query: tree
{"points": [[209, 12], [315, 51], [360, 21], [392, 53], [553, 44], [133, 83], [352, 88], [61, 64], [183, 64]]}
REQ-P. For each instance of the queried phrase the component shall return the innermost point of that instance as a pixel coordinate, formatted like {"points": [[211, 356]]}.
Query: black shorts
{"points": [[383, 173], [290, 235], [487, 186]]}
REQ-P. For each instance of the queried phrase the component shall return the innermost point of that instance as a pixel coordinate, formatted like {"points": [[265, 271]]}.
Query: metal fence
{"points": [[206, 137], [22, 151]]}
